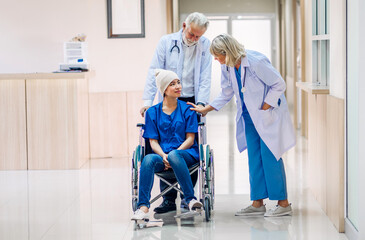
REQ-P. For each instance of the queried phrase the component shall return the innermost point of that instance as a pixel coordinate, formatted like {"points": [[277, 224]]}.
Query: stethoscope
{"points": [[243, 89], [175, 46]]}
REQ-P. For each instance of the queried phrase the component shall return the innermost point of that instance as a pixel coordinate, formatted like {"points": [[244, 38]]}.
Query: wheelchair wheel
{"points": [[211, 171], [207, 208], [209, 165], [134, 204], [134, 180]]}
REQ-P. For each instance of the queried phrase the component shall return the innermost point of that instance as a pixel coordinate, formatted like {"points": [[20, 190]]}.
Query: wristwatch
{"points": [[200, 103]]}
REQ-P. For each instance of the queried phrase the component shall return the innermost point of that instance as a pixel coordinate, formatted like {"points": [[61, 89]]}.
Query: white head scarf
{"points": [[164, 78]]}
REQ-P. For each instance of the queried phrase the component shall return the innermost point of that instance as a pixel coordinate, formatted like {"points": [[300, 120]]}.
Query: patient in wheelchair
{"points": [[170, 127]]}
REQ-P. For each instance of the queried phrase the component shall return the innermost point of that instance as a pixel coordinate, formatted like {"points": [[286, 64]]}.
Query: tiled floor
{"points": [[94, 202]]}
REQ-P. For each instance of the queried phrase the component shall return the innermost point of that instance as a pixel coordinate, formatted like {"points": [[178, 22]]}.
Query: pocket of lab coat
{"points": [[268, 117], [172, 63]]}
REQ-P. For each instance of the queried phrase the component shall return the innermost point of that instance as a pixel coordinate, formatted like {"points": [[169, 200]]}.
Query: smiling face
{"points": [[174, 89], [220, 58], [192, 34]]}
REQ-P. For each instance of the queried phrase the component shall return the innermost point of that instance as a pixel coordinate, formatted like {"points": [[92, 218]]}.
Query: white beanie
{"points": [[164, 78]]}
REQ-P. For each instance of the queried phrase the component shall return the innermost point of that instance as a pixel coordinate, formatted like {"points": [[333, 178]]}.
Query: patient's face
{"points": [[174, 89]]}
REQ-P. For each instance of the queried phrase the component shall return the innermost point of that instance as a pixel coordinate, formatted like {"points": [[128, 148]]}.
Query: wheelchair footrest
{"points": [[189, 214]]}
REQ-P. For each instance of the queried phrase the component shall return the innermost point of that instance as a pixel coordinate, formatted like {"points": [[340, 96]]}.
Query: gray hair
{"points": [[198, 18], [225, 44]]}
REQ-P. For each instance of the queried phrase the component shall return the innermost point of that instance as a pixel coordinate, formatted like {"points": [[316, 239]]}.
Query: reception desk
{"points": [[44, 121]]}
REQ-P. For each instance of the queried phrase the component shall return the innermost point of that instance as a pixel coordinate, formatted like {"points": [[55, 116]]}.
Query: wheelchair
{"points": [[205, 168]]}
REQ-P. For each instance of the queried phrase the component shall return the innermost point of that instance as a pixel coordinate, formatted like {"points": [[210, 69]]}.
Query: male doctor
{"points": [[187, 54]]}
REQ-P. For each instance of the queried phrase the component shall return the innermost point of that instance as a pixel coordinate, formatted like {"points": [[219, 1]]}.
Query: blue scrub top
{"points": [[170, 130], [238, 77]]}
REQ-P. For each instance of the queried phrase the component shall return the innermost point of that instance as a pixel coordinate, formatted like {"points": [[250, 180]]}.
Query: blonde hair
{"points": [[225, 44]]}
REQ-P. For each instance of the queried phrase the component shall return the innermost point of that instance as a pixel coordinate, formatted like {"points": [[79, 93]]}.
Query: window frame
{"points": [[320, 42]]}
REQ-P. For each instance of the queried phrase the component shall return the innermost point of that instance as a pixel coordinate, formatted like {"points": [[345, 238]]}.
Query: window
{"points": [[320, 42]]}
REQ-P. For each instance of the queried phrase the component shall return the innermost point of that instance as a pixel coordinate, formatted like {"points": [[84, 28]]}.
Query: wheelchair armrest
{"points": [[140, 124], [201, 123]]}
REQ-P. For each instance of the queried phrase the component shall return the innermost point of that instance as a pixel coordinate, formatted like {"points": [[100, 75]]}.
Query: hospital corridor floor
{"points": [[95, 201]]}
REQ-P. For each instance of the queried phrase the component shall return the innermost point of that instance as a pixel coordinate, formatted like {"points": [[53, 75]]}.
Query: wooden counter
{"points": [[46, 120], [313, 88], [13, 143]]}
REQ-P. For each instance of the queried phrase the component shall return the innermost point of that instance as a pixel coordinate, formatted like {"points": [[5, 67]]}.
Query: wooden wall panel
{"points": [[113, 120], [326, 155], [321, 148], [83, 121], [290, 92], [304, 114], [108, 125], [312, 145], [98, 112], [13, 150], [118, 124], [53, 114], [134, 103], [335, 162], [99, 127]]}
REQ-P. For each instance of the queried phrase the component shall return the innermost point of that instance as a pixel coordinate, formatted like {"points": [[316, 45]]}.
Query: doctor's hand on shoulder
{"points": [[143, 110], [200, 108]]}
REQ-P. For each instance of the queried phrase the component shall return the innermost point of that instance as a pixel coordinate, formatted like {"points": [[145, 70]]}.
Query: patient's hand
{"points": [[166, 162]]}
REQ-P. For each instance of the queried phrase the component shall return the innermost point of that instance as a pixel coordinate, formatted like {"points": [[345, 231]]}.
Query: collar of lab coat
{"points": [[244, 62], [177, 35]]}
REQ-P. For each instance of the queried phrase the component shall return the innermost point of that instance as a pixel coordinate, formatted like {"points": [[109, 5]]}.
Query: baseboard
{"points": [[350, 231]]}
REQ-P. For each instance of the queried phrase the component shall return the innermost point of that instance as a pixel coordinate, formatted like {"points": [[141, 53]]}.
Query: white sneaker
{"points": [[194, 204], [140, 215], [278, 211], [251, 211]]}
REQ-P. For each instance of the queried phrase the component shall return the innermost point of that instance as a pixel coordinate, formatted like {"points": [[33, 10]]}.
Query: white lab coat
{"points": [[166, 59], [263, 83]]}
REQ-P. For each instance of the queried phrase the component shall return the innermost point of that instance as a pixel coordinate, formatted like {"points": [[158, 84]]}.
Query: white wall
{"points": [[361, 82], [356, 111], [307, 31], [337, 28], [122, 64], [33, 32], [289, 27]]}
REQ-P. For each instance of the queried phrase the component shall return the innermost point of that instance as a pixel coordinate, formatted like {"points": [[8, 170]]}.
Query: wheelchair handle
{"points": [[201, 124], [140, 124]]}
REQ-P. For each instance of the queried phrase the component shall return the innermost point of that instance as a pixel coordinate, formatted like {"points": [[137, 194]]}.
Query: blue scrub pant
{"points": [[180, 161], [267, 175]]}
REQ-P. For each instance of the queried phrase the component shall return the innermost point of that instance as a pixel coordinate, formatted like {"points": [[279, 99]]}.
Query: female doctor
{"points": [[263, 122]]}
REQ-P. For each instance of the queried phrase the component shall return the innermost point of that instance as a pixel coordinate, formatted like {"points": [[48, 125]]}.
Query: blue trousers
{"points": [[180, 162], [267, 175]]}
